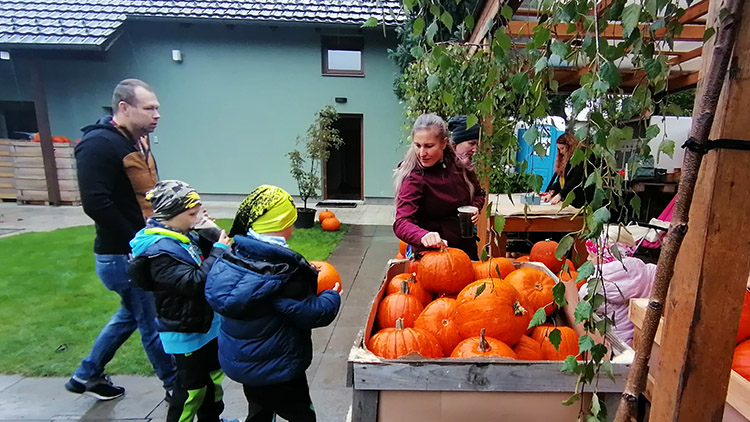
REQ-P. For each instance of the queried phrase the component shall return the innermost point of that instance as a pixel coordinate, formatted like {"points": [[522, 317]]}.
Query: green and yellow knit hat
{"points": [[172, 197], [267, 209]]}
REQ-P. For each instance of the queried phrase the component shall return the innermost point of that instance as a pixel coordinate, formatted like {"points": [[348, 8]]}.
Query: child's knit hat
{"points": [[612, 236], [172, 197], [267, 209]]}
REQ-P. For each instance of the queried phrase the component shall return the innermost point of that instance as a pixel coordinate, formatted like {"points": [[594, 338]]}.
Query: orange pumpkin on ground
{"points": [[402, 247], [413, 265], [498, 307], [415, 289], [524, 258], [392, 343], [744, 331], [400, 305], [568, 342], [528, 349], [437, 318], [544, 252], [483, 346], [331, 224], [535, 286], [325, 214], [445, 271], [741, 359], [327, 275], [489, 268]]}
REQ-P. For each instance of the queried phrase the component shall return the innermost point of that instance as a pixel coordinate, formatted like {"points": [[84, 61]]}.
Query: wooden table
{"points": [[533, 218]]}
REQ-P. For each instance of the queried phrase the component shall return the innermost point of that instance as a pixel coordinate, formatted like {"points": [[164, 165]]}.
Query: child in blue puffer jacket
{"points": [[266, 294], [169, 261]]}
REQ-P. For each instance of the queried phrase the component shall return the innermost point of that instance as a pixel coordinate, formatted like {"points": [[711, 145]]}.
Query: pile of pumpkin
{"points": [[450, 306], [328, 221], [741, 360]]}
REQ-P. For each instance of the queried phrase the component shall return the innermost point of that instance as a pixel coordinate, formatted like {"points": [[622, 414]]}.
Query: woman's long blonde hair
{"points": [[429, 121]]}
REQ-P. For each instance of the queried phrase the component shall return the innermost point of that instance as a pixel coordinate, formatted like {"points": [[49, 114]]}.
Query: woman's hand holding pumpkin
{"points": [[433, 240]]}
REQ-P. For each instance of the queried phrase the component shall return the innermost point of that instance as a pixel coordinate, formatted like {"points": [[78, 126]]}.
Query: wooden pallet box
{"points": [[442, 390], [7, 181], [737, 408], [29, 175]]}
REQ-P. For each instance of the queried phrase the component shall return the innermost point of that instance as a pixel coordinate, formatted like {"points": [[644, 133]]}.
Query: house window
{"points": [[342, 56]]}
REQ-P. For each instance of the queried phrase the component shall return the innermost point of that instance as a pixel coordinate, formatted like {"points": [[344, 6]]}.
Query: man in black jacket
{"points": [[115, 170]]}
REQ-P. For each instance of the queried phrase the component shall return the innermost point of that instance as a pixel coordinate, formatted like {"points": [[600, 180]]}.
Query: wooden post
{"points": [[705, 296], [45, 135]]}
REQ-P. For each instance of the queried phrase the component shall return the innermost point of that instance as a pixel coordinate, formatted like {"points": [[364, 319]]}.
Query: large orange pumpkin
{"points": [[415, 289], [498, 307], [392, 343], [402, 247], [535, 286], [544, 252], [445, 271], [437, 318], [741, 359], [568, 342], [483, 346], [570, 274], [528, 349], [744, 331], [331, 224], [325, 214], [399, 305], [327, 275], [489, 268]]}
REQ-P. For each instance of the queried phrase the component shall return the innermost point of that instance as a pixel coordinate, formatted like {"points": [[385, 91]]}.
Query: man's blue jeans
{"points": [[136, 311]]}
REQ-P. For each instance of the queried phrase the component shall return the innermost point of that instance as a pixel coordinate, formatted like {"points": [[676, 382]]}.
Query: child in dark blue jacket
{"points": [[169, 260], [266, 294]]}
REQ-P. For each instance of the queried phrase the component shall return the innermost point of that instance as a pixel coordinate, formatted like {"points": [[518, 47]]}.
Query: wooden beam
{"points": [[601, 7], [490, 10], [613, 31], [683, 57], [706, 293], [45, 134]]}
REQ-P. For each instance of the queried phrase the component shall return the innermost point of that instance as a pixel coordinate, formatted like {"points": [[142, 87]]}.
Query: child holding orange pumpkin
{"points": [[267, 295]]}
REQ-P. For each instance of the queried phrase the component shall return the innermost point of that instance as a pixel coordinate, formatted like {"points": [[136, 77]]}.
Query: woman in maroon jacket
{"points": [[431, 183]]}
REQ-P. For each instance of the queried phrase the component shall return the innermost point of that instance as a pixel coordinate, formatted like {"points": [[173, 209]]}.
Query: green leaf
{"points": [[672, 110], [471, 120], [479, 291], [540, 150], [540, 64], [485, 255], [598, 199], [601, 86], [630, 17], [708, 34], [598, 352], [519, 81], [370, 22], [499, 222], [541, 35], [448, 98], [560, 49], [417, 51], [653, 69], [433, 81], [418, 26], [431, 31], [538, 319], [585, 271], [577, 158], [558, 295], [666, 146], [469, 22], [651, 8], [555, 337], [590, 180], [554, 85], [608, 72], [447, 20], [583, 311], [635, 204], [570, 365], [409, 4], [652, 131], [615, 251], [593, 286], [595, 406], [502, 39], [564, 246], [601, 215], [569, 198], [579, 98], [585, 343], [609, 370], [535, 182], [530, 136], [506, 12], [575, 397]]}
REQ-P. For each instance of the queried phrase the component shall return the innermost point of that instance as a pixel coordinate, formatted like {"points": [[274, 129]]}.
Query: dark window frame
{"points": [[347, 43]]}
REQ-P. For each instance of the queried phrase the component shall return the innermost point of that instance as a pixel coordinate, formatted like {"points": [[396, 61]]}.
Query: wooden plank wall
{"points": [[7, 181], [28, 172]]}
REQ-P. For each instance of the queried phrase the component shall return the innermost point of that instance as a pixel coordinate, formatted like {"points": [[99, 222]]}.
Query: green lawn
{"points": [[53, 305]]}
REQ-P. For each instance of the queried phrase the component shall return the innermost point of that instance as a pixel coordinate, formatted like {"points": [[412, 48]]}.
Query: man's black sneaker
{"points": [[102, 389]]}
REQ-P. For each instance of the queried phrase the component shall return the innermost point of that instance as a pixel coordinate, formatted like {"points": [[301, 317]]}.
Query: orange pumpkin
{"points": [[399, 305], [524, 258], [535, 286], [568, 342], [400, 256], [490, 268], [325, 214], [331, 224], [570, 274], [415, 289], [392, 343], [402, 247], [483, 346], [528, 349], [498, 307], [445, 271], [327, 275], [744, 331], [413, 265], [741, 359], [544, 252], [437, 318]]}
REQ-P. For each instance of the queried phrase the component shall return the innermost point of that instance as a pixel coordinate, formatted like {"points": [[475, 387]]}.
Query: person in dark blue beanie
{"points": [[465, 140]]}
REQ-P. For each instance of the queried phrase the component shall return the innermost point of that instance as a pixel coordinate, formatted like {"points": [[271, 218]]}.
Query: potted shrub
{"points": [[320, 139]]}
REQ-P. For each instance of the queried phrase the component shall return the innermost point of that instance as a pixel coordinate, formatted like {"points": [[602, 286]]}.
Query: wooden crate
{"points": [[415, 389], [737, 408], [29, 175], [7, 181]]}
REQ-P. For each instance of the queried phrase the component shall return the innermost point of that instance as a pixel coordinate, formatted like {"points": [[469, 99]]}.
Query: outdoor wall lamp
{"points": [[4, 55], [177, 56]]}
